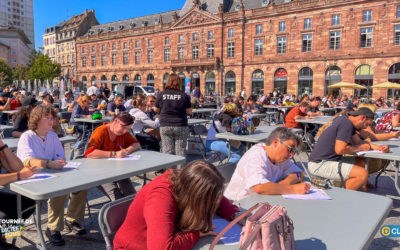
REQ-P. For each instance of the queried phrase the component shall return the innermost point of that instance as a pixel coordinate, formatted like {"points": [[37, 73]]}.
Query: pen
{"points": [[119, 145], [298, 177], [59, 157]]}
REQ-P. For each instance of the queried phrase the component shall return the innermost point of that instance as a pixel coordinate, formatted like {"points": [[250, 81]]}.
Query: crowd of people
{"points": [[176, 208]]}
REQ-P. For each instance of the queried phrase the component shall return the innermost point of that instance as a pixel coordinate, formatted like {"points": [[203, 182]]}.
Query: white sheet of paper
{"points": [[231, 237], [72, 165], [314, 194], [394, 139], [370, 151], [128, 158], [35, 178]]}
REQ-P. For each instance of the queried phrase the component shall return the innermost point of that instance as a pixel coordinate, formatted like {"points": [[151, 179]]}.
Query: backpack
{"points": [[242, 126], [384, 123]]}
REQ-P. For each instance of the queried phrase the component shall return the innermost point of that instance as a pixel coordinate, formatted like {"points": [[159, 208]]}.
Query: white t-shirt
{"points": [[255, 168], [30, 145], [92, 90]]}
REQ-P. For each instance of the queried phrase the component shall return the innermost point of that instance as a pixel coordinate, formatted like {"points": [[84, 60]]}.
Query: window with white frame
{"points": [[258, 47], [367, 15], [307, 43], [366, 37], [259, 29], [181, 53], [167, 55], [210, 50], [281, 46], [231, 50], [307, 23], [230, 33], [195, 52], [334, 40]]}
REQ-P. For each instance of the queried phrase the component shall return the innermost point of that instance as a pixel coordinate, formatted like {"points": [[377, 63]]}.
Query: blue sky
{"points": [[48, 13]]}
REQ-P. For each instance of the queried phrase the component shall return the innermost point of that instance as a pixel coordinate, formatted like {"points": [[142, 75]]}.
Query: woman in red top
{"points": [[174, 210]]}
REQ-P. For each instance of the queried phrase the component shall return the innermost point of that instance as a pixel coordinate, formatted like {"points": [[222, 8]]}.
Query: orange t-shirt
{"points": [[290, 121], [100, 139]]}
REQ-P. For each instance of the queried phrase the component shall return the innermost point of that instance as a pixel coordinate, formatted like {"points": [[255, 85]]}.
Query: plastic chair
{"points": [[201, 130], [111, 217], [226, 170]]}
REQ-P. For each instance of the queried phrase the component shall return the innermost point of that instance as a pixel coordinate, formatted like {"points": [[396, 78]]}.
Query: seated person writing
{"points": [[8, 200], [175, 209], [113, 140], [340, 138], [118, 104], [40, 147], [267, 169], [298, 112], [314, 107], [222, 122]]}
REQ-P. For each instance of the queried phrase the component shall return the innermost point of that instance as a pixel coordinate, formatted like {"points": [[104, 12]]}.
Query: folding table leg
{"points": [[42, 244]]}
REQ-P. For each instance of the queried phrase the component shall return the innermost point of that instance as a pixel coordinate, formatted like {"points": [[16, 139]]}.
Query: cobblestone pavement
{"points": [[94, 240]]}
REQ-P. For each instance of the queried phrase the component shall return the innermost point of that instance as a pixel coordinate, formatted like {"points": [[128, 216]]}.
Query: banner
{"points": [[187, 86]]}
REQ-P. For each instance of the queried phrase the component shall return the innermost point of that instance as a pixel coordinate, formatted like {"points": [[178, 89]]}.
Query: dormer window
{"points": [[237, 7], [265, 3], [121, 27]]}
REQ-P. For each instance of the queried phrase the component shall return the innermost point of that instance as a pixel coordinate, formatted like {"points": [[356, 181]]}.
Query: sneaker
{"points": [[75, 227], [55, 237]]}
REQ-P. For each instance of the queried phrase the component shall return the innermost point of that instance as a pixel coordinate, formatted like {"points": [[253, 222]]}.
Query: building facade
{"points": [[49, 41], [18, 46], [65, 41], [299, 46], [18, 14], [5, 52]]}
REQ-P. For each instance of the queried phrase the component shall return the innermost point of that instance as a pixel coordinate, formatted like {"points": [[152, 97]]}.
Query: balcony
{"points": [[214, 61]]}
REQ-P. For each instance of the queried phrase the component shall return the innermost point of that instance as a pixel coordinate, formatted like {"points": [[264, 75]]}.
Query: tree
{"points": [[43, 68], [6, 77], [20, 72], [33, 55]]}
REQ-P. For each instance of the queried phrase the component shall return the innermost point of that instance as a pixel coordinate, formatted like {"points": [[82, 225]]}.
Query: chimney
{"points": [[86, 11]]}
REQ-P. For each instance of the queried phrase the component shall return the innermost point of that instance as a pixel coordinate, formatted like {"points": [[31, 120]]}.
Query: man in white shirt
{"points": [[93, 90], [267, 168]]}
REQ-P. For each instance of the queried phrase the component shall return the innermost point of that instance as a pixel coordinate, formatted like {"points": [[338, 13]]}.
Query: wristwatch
{"points": [[3, 147]]}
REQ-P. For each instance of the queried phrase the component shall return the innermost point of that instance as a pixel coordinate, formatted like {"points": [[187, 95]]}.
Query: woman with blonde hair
{"points": [[143, 121], [175, 209], [81, 111], [174, 106]]}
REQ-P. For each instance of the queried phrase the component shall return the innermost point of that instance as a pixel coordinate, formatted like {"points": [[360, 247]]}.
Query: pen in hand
{"points": [[59, 157], [298, 177], [119, 145]]}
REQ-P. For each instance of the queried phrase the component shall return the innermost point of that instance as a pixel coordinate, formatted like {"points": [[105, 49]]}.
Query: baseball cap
{"points": [[363, 111]]}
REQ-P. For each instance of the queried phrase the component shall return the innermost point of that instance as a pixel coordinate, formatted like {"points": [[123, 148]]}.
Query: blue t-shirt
{"points": [[111, 107]]}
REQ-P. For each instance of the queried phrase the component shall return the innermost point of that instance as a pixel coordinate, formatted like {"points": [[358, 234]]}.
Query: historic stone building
{"points": [[65, 41], [298, 46], [49, 41]]}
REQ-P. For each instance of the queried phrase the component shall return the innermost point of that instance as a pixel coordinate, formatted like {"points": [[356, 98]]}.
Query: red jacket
{"points": [[150, 221]]}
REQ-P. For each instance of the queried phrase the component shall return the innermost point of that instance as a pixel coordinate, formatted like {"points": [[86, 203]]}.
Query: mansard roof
{"points": [[150, 20]]}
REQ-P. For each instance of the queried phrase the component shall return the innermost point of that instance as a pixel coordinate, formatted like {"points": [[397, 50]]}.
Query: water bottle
{"points": [[103, 113], [116, 111]]}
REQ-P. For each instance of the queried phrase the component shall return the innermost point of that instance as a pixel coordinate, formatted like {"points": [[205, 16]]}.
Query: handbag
{"points": [[270, 228]]}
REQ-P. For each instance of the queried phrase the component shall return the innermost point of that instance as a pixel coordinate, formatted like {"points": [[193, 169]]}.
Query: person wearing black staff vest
{"points": [[174, 106]]}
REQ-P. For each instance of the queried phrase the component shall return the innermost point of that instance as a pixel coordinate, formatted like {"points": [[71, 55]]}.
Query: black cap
{"points": [[363, 111], [28, 100]]}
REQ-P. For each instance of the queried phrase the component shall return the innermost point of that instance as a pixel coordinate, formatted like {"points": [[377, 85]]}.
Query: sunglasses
{"points": [[292, 150]]}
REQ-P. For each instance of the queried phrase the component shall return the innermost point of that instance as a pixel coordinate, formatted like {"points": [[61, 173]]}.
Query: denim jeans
{"points": [[222, 147]]}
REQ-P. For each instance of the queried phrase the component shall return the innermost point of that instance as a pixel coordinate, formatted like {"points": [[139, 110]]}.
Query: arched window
{"points": [[103, 79], [125, 78], [210, 83], [257, 82], [365, 77], [150, 80], [394, 76], [333, 74], [84, 83], [230, 83], [93, 80], [165, 79], [305, 81], [114, 78], [280, 80], [138, 79]]}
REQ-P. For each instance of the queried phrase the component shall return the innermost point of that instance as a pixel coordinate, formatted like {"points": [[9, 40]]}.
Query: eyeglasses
{"points": [[292, 150]]}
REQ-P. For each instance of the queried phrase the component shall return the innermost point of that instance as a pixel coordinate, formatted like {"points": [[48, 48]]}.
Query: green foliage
{"points": [[33, 55], [43, 68], [6, 73], [20, 72]]}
